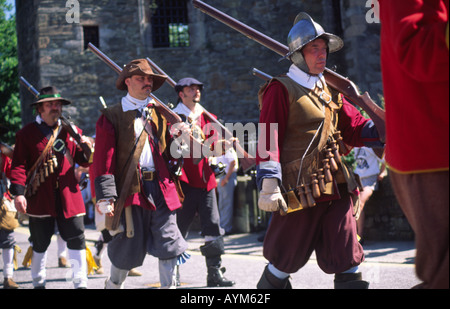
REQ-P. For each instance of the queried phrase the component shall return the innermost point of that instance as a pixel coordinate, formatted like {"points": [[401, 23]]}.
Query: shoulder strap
{"points": [[123, 194], [45, 152]]}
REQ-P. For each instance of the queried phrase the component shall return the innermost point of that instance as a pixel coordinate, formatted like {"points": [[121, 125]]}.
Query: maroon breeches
{"points": [[328, 228]]}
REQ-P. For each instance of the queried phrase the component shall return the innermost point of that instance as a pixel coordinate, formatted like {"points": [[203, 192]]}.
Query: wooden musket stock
{"points": [[334, 80], [247, 161]]}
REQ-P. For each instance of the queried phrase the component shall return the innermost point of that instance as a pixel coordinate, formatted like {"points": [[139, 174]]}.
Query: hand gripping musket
{"points": [[247, 161], [64, 121], [334, 80], [170, 115]]}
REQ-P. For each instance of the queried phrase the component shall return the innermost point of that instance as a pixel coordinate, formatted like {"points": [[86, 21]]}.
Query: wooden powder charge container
{"points": [[315, 185]]}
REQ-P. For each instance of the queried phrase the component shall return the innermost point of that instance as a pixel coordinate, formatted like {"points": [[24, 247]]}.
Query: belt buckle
{"points": [[148, 175]]}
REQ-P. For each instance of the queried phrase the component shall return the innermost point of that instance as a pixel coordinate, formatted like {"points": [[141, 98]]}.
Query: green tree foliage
{"points": [[10, 112]]}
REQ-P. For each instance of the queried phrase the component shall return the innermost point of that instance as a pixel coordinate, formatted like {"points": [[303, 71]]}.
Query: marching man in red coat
{"points": [[302, 175], [198, 183], [133, 139], [44, 185], [415, 67]]}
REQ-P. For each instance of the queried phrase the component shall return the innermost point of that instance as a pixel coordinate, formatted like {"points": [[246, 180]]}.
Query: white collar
{"points": [[304, 79], [129, 103], [184, 110], [39, 120]]}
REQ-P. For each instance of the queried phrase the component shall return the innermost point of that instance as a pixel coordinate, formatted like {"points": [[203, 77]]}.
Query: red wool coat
{"points": [[30, 143], [105, 164], [415, 68], [5, 165]]}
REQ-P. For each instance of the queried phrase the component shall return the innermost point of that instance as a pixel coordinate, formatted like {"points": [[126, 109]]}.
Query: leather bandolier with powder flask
{"points": [[44, 166], [311, 152]]}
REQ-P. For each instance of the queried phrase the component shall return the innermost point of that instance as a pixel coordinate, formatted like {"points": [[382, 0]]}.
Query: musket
{"points": [[247, 161], [102, 101], [64, 121], [261, 74], [170, 115], [334, 80]]}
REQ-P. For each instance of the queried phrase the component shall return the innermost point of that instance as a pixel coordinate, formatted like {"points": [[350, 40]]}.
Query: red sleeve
{"points": [[210, 129], [105, 148], [274, 116], [19, 163], [418, 37], [6, 166], [351, 124]]}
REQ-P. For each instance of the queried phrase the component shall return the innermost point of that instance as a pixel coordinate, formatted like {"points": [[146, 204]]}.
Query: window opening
{"points": [[170, 27], [91, 35]]}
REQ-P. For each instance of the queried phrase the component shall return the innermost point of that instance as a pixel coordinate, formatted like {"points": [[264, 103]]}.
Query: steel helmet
{"points": [[304, 31]]}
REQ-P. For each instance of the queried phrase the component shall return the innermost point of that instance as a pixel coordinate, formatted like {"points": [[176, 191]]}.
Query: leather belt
{"points": [[148, 175]]}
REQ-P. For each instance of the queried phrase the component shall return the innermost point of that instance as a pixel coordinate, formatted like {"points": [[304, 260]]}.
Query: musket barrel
{"points": [[261, 74], [268, 42], [29, 87], [160, 71], [105, 58]]}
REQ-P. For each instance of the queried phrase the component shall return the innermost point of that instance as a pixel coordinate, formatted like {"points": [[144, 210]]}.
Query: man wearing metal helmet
{"points": [[302, 179], [198, 183], [133, 184]]}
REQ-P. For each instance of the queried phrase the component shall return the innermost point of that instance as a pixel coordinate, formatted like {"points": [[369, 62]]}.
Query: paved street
{"points": [[388, 265]]}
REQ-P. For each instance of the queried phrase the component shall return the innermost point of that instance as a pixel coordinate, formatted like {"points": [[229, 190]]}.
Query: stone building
{"points": [[183, 41]]}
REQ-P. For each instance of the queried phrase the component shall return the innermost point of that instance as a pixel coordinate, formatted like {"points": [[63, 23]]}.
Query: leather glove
{"points": [[270, 198]]}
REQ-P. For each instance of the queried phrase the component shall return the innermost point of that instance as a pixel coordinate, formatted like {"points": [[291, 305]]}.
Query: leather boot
{"points": [[215, 277], [212, 252], [350, 281], [268, 281]]}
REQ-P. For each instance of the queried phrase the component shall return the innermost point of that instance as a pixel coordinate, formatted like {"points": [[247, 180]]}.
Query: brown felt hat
{"points": [[50, 94], [139, 67]]}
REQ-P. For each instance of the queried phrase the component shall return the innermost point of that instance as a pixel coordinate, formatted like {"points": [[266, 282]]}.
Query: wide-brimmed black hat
{"points": [[50, 94]]}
